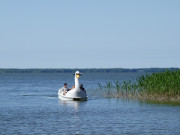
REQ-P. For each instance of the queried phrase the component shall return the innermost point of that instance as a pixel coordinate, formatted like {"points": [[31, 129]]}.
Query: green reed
{"points": [[163, 84], [117, 89]]}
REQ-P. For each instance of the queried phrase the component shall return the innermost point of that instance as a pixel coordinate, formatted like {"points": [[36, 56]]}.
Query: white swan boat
{"points": [[74, 94]]}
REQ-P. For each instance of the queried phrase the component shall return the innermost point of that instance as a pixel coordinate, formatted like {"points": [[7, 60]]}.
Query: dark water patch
{"points": [[167, 103], [41, 95]]}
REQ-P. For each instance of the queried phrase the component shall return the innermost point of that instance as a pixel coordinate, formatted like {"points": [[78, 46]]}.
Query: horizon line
{"points": [[97, 68]]}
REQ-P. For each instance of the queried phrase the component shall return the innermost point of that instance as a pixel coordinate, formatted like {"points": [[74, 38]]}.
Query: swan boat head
{"points": [[77, 74]]}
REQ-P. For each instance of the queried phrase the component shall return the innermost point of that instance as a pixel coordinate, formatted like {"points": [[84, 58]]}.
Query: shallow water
{"points": [[29, 105]]}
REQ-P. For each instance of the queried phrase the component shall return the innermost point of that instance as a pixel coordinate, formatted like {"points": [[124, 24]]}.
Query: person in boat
{"points": [[82, 88], [64, 88], [72, 87]]}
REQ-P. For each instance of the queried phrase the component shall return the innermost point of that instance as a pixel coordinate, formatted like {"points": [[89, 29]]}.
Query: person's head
{"points": [[81, 85], [65, 85]]}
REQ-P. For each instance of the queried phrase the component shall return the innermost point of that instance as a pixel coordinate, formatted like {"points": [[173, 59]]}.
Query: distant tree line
{"points": [[88, 70]]}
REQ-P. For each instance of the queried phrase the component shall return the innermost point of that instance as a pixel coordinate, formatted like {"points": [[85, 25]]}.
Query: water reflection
{"points": [[72, 109], [72, 104]]}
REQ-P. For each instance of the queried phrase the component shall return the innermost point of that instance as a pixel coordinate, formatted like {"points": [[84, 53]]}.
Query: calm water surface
{"points": [[29, 105]]}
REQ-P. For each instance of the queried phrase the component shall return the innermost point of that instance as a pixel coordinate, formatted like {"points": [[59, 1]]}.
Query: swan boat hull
{"points": [[72, 95]]}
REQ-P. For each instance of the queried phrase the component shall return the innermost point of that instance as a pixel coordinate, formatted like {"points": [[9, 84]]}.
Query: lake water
{"points": [[29, 104]]}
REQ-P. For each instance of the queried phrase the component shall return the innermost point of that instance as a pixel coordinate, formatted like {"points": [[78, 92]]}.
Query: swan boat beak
{"points": [[78, 75]]}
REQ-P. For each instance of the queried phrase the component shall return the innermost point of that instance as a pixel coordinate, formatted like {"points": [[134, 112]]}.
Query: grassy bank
{"points": [[162, 87]]}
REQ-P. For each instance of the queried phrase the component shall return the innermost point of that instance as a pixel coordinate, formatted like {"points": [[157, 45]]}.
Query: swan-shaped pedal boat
{"points": [[74, 94]]}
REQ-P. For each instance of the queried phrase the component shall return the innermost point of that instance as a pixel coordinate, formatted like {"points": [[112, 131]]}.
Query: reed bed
{"points": [[164, 83], [118, 89], [160, 87]]}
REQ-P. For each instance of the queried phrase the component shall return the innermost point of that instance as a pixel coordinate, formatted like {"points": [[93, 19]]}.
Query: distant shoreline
{"points": [[84, 70]]}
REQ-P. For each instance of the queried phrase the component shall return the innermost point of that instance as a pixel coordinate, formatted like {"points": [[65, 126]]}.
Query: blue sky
{"points": [[89, 34]]}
